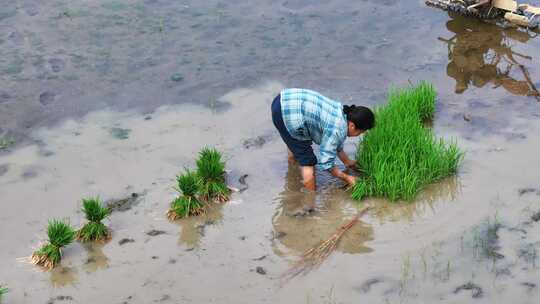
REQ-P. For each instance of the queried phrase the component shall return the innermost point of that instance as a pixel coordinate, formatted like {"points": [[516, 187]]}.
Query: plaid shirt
{"points": [[309, 115]]}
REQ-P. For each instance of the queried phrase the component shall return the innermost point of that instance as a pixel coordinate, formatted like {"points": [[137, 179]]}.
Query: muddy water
{"points": [[111, 98]]}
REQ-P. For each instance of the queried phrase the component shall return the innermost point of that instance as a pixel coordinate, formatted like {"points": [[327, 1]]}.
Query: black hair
{"points": [[362, 117]]}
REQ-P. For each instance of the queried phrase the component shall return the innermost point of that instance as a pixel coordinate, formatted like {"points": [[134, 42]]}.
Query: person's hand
{"points": [[349, 179], [351, 164]]}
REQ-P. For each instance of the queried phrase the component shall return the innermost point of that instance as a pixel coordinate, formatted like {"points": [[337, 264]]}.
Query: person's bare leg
{"points": [[290, 156], [308, 177]]}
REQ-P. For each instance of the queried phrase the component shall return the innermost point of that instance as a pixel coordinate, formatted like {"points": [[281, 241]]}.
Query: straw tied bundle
{"points": [[315, 256]]}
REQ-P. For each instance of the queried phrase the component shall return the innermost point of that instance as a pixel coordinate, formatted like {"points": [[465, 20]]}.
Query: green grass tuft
{"points": [[187, 204], [400, 156], [211, 169], [60, 235], [94, 230]]}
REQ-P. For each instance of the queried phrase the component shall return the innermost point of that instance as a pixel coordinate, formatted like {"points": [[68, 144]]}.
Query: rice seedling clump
{"points": [[187, 204], [400, 155], [60, 235], [94, 230], [3, 291], [211, 169]]}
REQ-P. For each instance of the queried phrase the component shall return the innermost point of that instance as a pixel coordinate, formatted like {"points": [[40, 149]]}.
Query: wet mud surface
{"points": [[114, 98]]}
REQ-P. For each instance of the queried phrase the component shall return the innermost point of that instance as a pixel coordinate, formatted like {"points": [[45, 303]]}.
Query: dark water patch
{"points": [[16, 38], [382, 2], [5, 97], [47, 97], [31, 9], [513, 136], [4, 169], [526, 190], [529, 253], [528, 285], [124, 204], [366, 286], [155, 232], [56, 64], [7, 11], [177, 77], [29, 174], [120, 133], [260, 270], [60, 299], [125, 241], [255, 142], [535, 217]]}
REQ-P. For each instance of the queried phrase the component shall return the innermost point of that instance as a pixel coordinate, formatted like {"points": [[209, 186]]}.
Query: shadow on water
{"points": [[303, 219], [481, 53]]}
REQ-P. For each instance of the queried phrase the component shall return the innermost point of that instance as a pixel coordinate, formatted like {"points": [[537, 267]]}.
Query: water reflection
{"points": [[96, 258], [194, 228], [445, 190], [63, 276], [303, 219], [481, 53]]}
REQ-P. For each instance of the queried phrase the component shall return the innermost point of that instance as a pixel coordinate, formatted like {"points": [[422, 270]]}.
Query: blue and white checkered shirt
{"points": [[309, 115]]}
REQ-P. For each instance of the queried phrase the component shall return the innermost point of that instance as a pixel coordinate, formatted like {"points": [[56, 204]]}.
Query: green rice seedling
{"points": [[211, 169], [3, 291], [400, 156], [94, 230], [187, 204], [60, 235]]}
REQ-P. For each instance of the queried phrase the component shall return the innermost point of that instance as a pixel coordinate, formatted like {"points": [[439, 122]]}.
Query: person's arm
{"points": [[330, 147], [345, 159], [349, 179]]}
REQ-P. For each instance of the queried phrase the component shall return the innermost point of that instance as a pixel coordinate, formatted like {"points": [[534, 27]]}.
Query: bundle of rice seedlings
{"points": [[3, 291], [60, 235], [400, 155], [94, 230], [211, 169], [187, 203]]}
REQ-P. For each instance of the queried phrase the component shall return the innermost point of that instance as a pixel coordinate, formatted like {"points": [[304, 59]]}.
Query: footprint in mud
{"points": [[59, 298], [476, 291], [155, 232]]}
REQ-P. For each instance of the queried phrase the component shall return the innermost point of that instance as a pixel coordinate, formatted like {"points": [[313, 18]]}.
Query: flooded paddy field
{"points": [[114, 98]]}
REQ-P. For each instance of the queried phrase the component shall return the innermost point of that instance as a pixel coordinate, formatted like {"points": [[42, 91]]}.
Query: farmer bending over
{"points": [[304, 116]]}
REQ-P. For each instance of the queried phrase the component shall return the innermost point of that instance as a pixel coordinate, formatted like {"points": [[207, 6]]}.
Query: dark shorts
{"points": [[301, 149]]}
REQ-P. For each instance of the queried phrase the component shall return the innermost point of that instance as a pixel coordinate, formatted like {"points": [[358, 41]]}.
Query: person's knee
{"points": [[308, 177]]}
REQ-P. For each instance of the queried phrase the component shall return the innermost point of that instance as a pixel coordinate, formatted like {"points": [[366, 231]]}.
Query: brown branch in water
{"points": [[315, 256]]}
